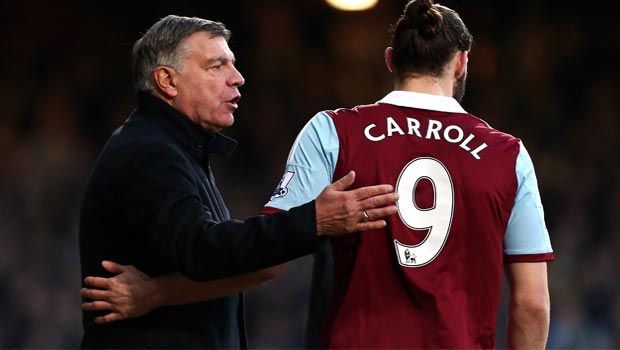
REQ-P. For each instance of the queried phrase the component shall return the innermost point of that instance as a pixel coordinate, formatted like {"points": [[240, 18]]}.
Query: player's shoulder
{"points": [[355, 111], [481, 126]]}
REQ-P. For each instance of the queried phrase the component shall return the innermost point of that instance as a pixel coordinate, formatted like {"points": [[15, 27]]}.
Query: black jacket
{"points": [[152, 202]]}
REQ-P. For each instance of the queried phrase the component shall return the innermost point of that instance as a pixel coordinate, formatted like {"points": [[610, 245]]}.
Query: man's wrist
{"points": [[159, 292]]}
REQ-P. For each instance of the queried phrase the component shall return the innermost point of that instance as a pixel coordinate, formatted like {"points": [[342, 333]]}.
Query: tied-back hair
{"points": [[426, 37], [163, 45]]}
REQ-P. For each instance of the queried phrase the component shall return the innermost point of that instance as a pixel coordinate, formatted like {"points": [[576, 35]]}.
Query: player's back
{"points": [[431, 278]]}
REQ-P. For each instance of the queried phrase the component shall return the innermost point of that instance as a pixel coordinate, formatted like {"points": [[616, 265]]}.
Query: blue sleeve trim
{"points": [[526, 232]]}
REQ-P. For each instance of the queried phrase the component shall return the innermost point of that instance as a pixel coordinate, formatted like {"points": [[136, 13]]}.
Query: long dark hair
{"points": [[425, 38]]}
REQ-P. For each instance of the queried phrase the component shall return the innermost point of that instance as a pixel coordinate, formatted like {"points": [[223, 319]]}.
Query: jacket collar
{"points": [[197, 140]]}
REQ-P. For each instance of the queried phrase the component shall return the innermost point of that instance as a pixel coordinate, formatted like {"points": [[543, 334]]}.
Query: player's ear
{"points": [[388, 59], [461, 60], [166, 80]]}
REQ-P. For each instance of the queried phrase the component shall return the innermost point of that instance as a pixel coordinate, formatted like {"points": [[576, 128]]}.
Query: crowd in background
{"points": [[543, 73]]}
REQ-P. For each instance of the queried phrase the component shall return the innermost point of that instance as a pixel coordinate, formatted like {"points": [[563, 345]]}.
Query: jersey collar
{"points": [[423, 101]]}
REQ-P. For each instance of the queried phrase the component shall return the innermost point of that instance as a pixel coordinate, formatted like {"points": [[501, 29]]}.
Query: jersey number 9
{"points": [[437, 219]]}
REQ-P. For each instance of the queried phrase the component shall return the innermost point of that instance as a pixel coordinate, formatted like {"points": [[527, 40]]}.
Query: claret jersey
{"points": [[469, 202]]}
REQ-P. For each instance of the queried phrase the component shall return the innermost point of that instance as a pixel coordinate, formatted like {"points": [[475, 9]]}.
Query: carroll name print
{"points": [[434, 130]]}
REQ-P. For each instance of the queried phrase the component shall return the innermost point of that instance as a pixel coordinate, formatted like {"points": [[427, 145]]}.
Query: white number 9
{"points": [[437, 219]]}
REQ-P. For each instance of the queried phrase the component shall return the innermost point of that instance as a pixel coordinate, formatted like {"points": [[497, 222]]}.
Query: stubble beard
{"points": [[458, 92]]}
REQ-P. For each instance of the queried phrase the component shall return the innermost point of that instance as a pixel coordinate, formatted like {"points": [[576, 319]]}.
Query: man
{"points": [[469, 202], [152, 202]]}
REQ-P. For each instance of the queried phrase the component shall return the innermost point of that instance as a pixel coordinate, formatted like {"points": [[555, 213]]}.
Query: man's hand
{"points": [[340, 212], [131, 293]]}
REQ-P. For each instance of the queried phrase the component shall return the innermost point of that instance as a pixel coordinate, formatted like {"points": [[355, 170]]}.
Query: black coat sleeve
{"points": [[162, 201]]}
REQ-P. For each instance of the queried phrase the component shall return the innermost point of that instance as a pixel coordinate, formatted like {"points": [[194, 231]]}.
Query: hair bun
{"points": [[423, 16]]}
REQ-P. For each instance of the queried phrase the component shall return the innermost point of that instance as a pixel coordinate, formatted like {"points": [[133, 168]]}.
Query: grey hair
{"points": [[163, 45]]}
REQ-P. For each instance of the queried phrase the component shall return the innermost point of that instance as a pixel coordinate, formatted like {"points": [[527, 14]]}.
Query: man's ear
{"points": [[166, 81], [388, 59], [461, 64]]}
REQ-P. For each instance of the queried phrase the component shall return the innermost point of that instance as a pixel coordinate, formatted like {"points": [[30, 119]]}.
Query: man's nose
{"points": [[237, 78]]}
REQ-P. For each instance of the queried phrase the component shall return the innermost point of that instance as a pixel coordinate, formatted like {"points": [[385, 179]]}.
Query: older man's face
{"points": [[208, 84]]}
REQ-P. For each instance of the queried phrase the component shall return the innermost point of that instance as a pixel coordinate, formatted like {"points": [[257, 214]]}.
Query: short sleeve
{"points": [[310, 164], [527, 238]]}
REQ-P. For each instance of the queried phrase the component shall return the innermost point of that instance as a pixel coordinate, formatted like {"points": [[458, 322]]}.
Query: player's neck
{"points": [[426, 85]]}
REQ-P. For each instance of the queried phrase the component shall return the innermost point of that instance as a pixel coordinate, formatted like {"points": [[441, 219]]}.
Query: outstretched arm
{"points": [[163, 201], [132, 293], [529, 308]]}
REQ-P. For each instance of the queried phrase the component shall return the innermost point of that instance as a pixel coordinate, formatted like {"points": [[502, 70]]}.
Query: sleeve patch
{"points": [[282, 189]]}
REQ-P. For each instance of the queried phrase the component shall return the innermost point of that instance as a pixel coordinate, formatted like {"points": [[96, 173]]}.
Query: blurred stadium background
{"points": [[543, 71]]}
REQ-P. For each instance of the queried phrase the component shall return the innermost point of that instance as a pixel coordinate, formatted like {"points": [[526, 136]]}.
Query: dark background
{"points": [[546, 73]]}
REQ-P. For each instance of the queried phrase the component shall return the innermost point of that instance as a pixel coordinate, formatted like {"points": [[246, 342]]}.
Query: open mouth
{"points": [[233, 101]]}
